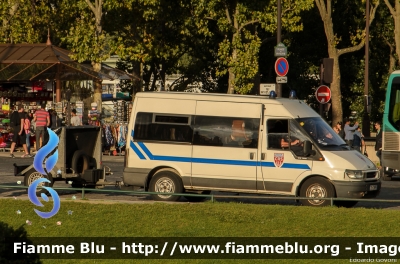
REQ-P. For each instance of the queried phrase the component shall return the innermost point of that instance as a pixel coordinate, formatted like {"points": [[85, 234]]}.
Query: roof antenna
{"points": [[48, 43]]}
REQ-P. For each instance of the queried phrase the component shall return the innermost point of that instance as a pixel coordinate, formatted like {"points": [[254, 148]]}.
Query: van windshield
{"points": [[322, 134]]}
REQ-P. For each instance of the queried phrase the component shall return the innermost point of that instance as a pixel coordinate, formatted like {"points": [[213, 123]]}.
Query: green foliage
{"points": [[16, 15], [83, 38], [238, 21], [205, 40]]}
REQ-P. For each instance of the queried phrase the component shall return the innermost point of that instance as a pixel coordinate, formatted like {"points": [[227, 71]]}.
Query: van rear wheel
{"points": [[316, 187], [165, 181]]}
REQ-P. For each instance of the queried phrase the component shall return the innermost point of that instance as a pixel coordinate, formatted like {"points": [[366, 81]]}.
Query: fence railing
{"points": [[212, 197]]}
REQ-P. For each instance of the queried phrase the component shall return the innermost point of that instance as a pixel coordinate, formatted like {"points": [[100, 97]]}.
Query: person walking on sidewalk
{"points": [[378, 142], [17, 121], [349, 132], [358, 140], [42, 119], [338, 129], [27, 129]]}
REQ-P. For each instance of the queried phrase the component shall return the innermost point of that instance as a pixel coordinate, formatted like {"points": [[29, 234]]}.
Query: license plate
{"points": [[373, 187]]}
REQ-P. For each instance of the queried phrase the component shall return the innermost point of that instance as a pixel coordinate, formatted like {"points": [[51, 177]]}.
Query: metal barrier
{"points": [[211, 196]]}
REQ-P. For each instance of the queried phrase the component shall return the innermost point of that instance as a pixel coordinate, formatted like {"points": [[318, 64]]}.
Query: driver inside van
{"points": [[292, 141]]}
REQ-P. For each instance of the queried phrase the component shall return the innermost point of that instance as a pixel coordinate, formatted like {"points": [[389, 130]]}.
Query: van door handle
{"points": [[263, 156], [252, 154]]}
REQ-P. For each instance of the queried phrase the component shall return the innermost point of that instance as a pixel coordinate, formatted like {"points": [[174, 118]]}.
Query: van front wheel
{"points": [[166, 181], [316, 187]]}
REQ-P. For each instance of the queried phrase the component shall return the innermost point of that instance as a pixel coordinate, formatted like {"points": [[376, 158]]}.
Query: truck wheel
{"points": [[80, 161], [316, 187], [32, 175], [195, 199], [166, 181]]}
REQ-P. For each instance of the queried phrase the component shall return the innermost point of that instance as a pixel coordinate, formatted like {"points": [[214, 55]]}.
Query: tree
{"points": [[395, 13], [162, 38], [85, 36], [335, 49], [239, 21], [16, 15]]}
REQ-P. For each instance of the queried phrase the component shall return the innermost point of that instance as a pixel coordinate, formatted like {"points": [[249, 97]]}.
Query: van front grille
{"points": [[370, 175]]}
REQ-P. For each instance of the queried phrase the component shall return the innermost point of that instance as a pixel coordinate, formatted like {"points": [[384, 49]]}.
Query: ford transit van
{"points": [[198, 143]]}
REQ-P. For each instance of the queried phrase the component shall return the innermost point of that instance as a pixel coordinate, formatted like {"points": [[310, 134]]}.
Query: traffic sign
{"points": [[280, 50], [281, 79], [266, 88], [281, 67], [323, 94]]}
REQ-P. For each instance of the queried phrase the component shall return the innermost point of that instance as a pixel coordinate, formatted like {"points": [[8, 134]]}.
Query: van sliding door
{"points": [[225, 145]]}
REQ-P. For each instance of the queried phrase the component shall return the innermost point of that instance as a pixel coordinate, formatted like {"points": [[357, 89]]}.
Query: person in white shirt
{"points": [[75, 120]]}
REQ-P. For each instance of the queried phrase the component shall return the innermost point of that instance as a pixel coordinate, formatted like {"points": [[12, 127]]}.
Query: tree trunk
{"points": [[97, 97], [325, 10], [234, 22], [231, 79], [396, 19], [336, 93], [97, 88]]}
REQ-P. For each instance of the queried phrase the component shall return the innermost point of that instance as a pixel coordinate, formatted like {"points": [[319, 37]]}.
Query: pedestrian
{"points": [[75, 120], [17, 121], [358, 140], [349, 132], [378, 142], [55, 122], [42, 120], [27, 129], [338, 129]]}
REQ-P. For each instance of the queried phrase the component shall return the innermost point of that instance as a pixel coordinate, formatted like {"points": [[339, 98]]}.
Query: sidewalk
{"points": [[17, 154]]}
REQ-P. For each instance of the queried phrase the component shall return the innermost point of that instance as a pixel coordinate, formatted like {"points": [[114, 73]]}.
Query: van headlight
{"points": [[354, 174]]}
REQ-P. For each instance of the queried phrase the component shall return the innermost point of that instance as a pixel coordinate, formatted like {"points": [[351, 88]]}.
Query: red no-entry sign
{"points": [[323, 94]]}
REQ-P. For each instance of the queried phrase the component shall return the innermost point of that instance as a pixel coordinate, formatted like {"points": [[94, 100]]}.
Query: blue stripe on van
{"points": [[137, 151], [146, 150], [286, 165], [132, 133], [216, 161]]}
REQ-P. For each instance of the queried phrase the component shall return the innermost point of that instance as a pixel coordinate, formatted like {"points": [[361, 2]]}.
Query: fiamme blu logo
{"points": [[47, 156]]}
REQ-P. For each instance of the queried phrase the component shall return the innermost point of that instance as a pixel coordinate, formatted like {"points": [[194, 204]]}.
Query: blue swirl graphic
{"points": [[35, 200], [44, 151]]}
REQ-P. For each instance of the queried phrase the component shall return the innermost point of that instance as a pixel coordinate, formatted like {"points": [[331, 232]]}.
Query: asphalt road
{"points": [[390, 189]]}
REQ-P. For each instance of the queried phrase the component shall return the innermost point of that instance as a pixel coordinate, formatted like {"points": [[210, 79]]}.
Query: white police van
{"points": [[183, 142]]}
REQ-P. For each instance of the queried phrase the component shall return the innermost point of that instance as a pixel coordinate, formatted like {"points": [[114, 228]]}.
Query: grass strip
{"points": [[208, 219]]}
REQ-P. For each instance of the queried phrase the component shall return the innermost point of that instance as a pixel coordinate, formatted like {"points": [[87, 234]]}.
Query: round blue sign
{"points": [[281, 67]]}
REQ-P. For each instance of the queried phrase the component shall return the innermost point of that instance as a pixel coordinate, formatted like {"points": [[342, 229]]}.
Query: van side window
{"points": [[163, 127], [226, 131], [278, 129]]}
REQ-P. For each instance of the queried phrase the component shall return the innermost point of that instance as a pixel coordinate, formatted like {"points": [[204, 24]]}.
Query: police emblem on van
{"points": [[278, 159]]}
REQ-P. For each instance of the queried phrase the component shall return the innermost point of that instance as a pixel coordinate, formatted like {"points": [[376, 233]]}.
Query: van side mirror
{"points": [[307, 148]]}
